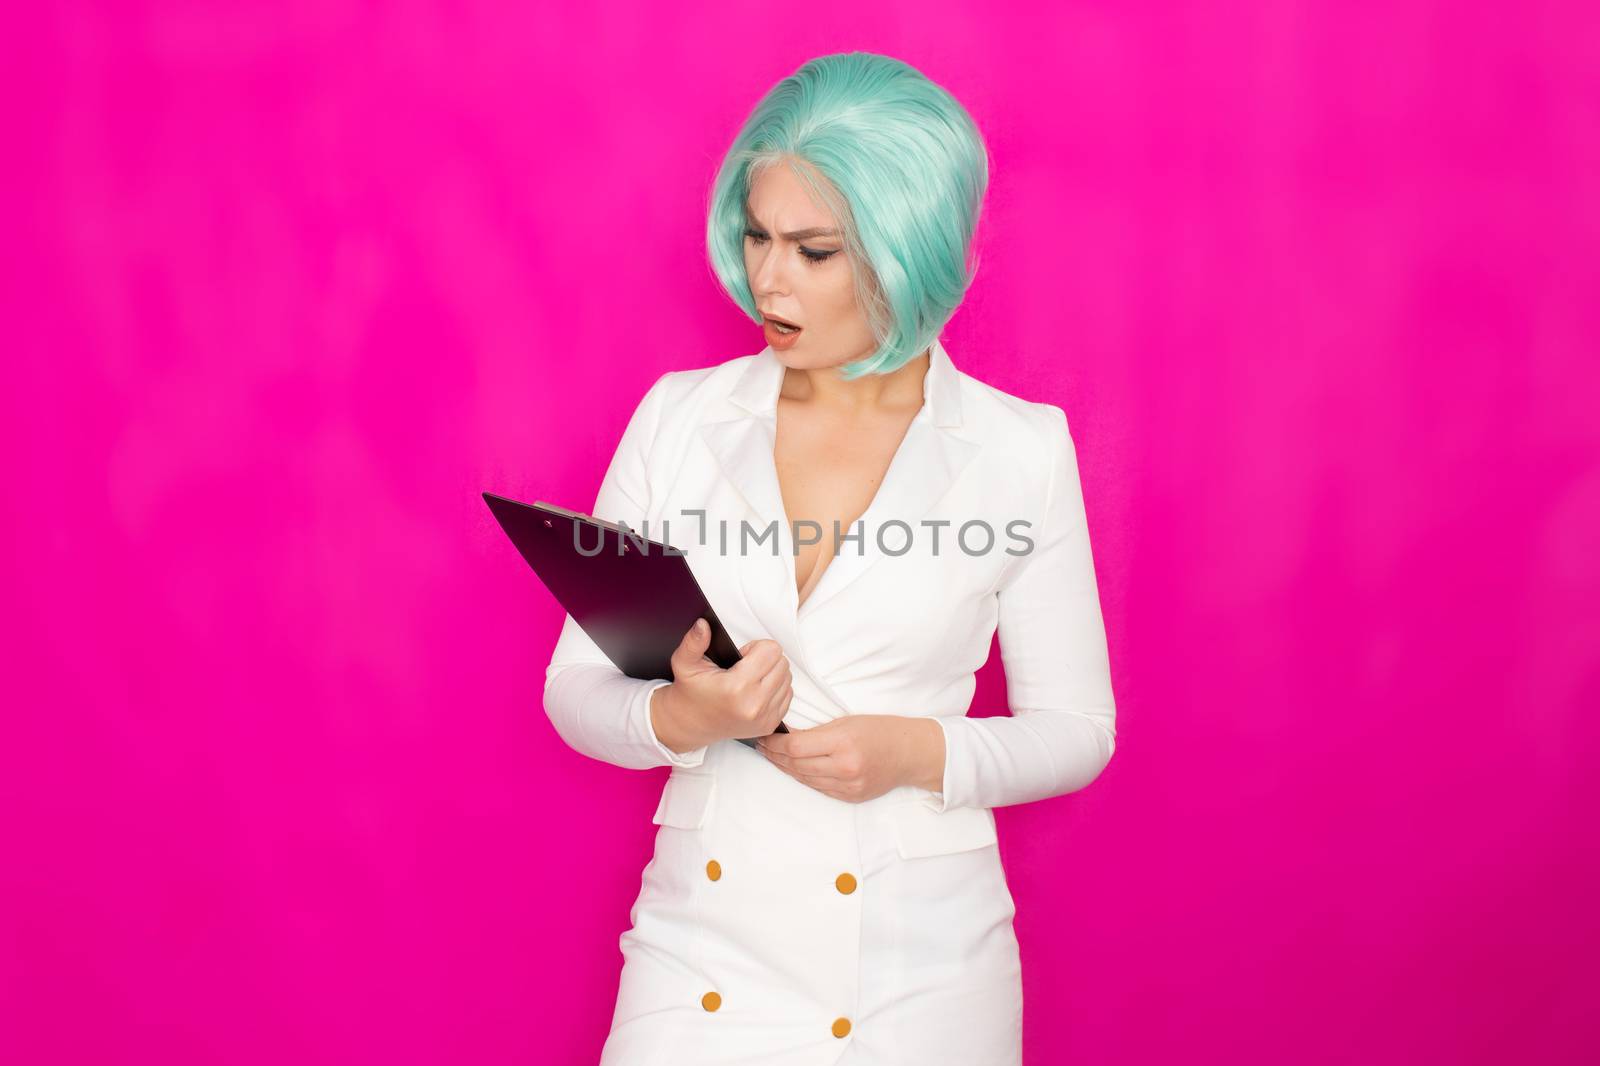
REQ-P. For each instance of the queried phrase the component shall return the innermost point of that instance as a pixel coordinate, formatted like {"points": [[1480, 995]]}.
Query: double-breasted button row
{"points": [[845, 882], [711, 1001]]}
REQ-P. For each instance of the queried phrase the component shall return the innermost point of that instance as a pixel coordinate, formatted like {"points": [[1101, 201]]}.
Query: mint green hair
{"points": [[898, 163]]}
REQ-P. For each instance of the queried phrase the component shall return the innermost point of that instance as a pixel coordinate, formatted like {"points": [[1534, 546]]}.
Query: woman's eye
{"points": [[811, 254]]}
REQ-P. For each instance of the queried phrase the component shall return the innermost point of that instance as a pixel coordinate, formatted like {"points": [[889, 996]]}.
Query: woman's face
{"points": [[798, 271]]}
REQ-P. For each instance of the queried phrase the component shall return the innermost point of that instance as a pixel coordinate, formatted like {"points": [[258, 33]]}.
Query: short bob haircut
{"points": [[903, 170]]}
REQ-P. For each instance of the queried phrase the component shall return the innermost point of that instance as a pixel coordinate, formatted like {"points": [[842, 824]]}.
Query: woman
{"points": [[863, 516]]}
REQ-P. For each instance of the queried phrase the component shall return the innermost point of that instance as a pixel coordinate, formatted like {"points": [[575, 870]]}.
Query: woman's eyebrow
{"points": [[799, 234]]}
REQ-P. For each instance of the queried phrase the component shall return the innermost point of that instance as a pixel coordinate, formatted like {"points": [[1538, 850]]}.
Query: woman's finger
{"points": [[809, 777], [815, 765], [778, 703]]}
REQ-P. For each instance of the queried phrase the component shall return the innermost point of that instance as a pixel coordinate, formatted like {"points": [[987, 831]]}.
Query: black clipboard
{"points": [[634, 597]]}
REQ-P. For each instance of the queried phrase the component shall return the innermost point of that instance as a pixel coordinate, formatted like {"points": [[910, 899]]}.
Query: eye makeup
{"points": [[815, 255]]}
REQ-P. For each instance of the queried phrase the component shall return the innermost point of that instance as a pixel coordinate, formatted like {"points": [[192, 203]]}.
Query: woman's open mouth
{"points": [[780, 334]]}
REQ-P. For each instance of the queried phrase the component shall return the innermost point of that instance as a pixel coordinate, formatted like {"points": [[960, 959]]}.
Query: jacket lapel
{"points": [[743, 449], [924, 467], [928, 461]]}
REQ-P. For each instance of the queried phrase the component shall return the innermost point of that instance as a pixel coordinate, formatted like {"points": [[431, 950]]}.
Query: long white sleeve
{"points": [[1062, 729], [596, 708]]}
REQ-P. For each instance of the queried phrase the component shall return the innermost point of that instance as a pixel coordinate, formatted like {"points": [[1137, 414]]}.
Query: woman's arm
{"points": [[596, 708], [1062, 729]]}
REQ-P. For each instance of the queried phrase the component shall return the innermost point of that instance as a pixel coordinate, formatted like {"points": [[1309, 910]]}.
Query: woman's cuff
{"points": [[941, 800], [691, 758]]}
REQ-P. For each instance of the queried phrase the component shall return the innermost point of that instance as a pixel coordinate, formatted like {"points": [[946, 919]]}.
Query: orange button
{"points": [[714, 869], [841, 1027], [846, 884], [711, 1001]]}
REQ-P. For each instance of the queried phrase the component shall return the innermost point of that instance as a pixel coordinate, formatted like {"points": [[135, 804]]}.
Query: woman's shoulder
{"points": [[1025, 442], [1011, 419], [679, 386], [678, 401]]}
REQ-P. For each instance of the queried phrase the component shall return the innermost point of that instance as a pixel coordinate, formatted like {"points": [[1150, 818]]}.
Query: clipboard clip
{"points": [[616, 527]]}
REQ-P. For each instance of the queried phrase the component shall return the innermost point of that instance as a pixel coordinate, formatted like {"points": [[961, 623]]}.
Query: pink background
{"points": [[288, 285]]}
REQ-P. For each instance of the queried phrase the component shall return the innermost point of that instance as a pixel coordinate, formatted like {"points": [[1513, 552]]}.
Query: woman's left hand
{"points": [[859, 757]]}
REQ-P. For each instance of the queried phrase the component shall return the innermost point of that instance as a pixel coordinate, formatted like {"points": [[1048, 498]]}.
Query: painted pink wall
{"points": [[292, 284]]}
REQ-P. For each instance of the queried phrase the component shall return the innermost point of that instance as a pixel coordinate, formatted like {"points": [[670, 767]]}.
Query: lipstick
{"points": [[780, 340]]}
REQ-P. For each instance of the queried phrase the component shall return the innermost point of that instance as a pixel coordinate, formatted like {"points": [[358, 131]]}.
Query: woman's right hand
{"points": [[706, 703]]}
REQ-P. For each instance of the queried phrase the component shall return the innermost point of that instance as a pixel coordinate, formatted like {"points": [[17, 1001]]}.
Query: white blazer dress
{"points": [[775, 924]]}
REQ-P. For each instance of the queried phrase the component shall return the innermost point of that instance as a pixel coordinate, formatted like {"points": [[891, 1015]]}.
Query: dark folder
{"points": [[634, 597]]}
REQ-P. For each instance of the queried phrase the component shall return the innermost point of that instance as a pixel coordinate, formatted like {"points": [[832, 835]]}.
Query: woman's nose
{"points": [[769, 274]]}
